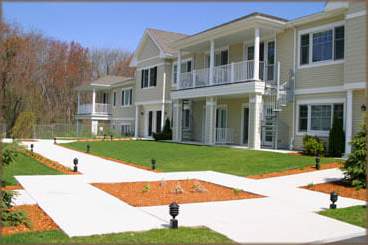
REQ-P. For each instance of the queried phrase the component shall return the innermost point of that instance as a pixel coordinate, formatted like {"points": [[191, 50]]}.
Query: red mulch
{"points": [[101, 139], [341, 188], [11, 187], [296, 171], [40, 221], [140, 194]]}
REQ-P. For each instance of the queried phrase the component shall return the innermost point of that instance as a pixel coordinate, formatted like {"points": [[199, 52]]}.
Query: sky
{"points": [[121, 24]]}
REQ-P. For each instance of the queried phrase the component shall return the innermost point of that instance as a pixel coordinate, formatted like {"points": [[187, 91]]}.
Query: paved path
{"points": [[286, 214]]}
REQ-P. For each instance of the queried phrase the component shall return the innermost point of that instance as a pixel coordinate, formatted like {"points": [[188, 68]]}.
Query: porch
{"points": [[93, 102]]}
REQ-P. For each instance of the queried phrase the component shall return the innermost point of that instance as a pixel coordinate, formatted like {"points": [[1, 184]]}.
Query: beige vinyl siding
{"points": [[150, 93], [119, 111], [355, 48], [285, 53], [236, 52], [358, 100], [285, 126], [149, 50], [357, 6], [197, 120]]}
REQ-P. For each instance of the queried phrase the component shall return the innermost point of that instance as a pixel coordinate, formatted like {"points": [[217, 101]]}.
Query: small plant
{"points": [[237, 191], [166, 133], [146, 188], [178, 189], [313, 145], [197, 187], [10, 217], [310, 184]]}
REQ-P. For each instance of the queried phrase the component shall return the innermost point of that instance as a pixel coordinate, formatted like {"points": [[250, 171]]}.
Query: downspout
{"points": [[163, 99], [294, 102]]}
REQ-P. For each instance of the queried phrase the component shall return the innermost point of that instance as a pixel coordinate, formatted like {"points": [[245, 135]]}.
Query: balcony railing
{"points": [[99, 109], [224, 136], [224, 74]]}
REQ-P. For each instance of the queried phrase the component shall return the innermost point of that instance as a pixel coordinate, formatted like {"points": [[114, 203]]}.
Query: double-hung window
{"points": [[126, 97], [324, 45], [149, 77], [318, 118], [186, 66]]}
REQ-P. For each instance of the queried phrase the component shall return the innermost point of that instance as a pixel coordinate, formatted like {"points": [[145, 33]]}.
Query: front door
{"points": [[221, 125], [245, 126], [150, 122], [267, 132]]}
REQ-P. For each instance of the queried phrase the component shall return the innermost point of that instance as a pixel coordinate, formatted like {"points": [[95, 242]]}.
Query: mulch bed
{"points": [[164, 192], [296, 171], [39, 220], [341, 188], [101, 139], [49, 163], [11, 187]]}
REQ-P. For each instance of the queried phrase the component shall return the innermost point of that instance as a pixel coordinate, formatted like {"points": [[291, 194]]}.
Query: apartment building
{"points": [[257, 81]]}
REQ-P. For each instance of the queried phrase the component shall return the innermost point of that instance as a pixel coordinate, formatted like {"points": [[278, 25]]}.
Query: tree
{"points": [[355, 166], [336, 139]]}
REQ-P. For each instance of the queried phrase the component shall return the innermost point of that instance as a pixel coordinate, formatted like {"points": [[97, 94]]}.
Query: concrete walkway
{"points": [[286, 215]]}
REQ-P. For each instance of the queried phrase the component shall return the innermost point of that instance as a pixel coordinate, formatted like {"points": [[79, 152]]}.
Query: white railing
{"points": [[224, 136], [99, 108], [224, 74]]}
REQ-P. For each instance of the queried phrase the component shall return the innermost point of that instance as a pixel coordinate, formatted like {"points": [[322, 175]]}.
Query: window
{"points": [[303, 118], [186, 66], [304, 49], [319, 117], [126, 97], [270, 60], [114, 99], [186, 121], [322, 45], [149, 77], [250, 53], [339, 42]]}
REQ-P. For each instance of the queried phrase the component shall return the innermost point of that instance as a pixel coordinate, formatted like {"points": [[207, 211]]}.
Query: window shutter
{"points": [[122, 97], [142, 79], [131, 97], [153, 76]]}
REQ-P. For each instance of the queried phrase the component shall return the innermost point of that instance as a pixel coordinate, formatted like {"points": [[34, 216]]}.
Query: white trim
{"points": [[122, 103], [122, 119], [356, 14], [217, 51], [148, 59], [150, 102], [349, 121], [320, 90], [311, 31], [175, 63], [357, 85], [151, 66], [321, 101]]}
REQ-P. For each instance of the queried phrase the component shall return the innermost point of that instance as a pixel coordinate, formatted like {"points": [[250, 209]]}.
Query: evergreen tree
{"points": [[336, 139]]}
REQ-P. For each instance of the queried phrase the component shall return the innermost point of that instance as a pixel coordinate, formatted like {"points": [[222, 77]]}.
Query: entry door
{"points": [[221, 118], [150, 122], [267, 132], [158, 121], [245, 125]]}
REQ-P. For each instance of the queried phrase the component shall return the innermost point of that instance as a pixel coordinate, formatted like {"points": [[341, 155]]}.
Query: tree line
{"points": [[38, 75]]}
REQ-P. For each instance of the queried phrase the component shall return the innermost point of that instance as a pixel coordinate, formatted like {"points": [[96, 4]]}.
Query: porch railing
{"points": [[99, 108], [224, 136], [224, 74]]}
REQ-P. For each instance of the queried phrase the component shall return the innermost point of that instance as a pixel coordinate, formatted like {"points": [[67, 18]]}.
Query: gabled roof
{"points": [[162, 39], [104, 82]]}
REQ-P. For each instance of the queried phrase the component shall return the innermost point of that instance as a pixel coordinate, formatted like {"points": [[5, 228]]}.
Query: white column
{"points": [[256, 54], [349, 121], [177, 120], [163, 101], [212, 60], [78, 101], [178, 70], [255, 110], [94, 127], [136, 122], [210, 121], [94, 101]]}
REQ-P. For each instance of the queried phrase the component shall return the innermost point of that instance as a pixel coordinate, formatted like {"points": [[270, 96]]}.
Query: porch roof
{"points": [[105, 82]]}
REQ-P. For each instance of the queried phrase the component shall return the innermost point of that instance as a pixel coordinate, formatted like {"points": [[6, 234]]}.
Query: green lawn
{"points": [[24, 165], [156, 236], [356, 215], [180, 157]]}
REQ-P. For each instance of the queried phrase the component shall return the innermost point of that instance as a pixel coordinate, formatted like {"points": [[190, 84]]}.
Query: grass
{"points": [[356, 215], [24, 165], [156, 236], [180, 157]]}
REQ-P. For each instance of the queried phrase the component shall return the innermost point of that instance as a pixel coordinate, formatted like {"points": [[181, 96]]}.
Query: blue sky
{"points": [[120, 25]]}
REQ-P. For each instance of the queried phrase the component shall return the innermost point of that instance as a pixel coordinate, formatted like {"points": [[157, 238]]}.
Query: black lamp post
{"points": [[318, 160], [363, 108], [333, 198], [174, 211], [88, 148], [75, 162], [111, 137], [32, 147], [153, 164], [54, 140]]}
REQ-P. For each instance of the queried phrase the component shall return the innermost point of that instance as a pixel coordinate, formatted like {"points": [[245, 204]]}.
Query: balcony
{"points": [[226, 74], [99, 109]]}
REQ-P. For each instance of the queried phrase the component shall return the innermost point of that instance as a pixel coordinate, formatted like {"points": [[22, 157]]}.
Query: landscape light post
{"points": [[32, 148], [153, 164], [88, 148], [75, 162], [333, 198], [174, 211]]}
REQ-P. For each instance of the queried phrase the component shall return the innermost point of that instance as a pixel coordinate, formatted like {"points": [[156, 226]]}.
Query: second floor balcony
{"points": [[97, 108], [225, 74]]}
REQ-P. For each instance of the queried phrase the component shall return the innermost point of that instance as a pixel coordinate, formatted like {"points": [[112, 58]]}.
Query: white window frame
{"points": [[149, 76], [309, 103], [312, 31], [225, 108], [175, 63], [217, 51], [125, 94]]}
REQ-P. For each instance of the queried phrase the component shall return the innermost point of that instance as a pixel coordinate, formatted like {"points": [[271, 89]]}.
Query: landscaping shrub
{"points": [[355, 166], [313, 145], [336, 139], [23, 127], [166, 133]]}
